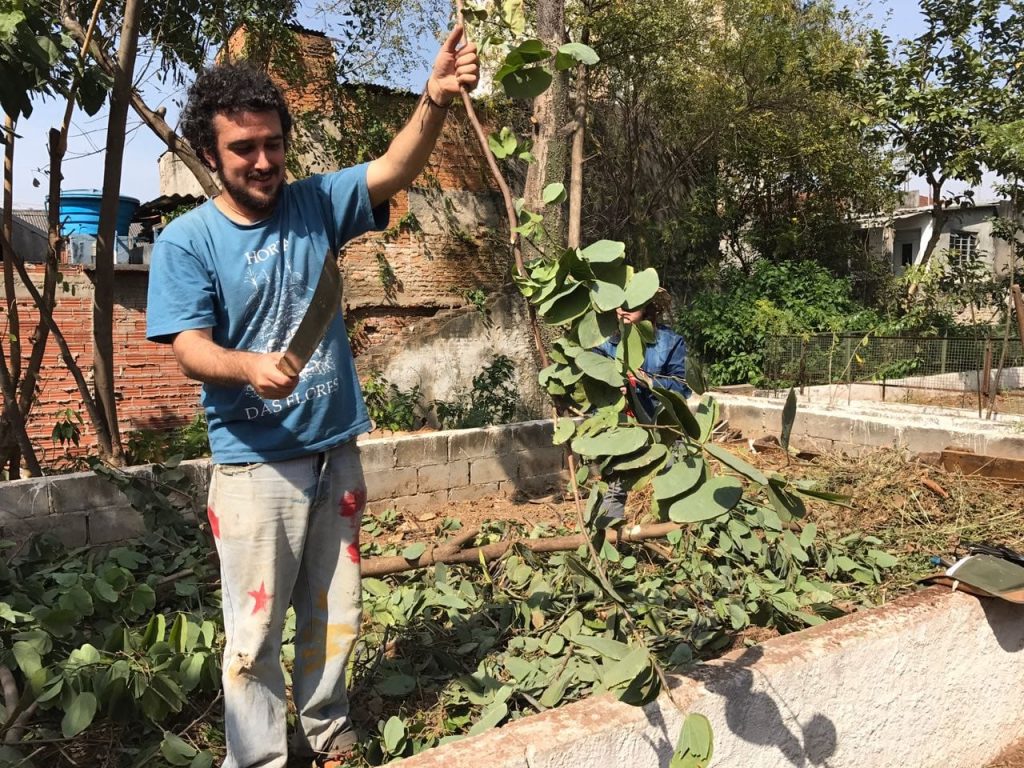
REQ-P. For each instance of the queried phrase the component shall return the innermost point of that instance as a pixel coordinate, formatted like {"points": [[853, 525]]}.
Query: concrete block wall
{"points": [[863, 426], [410, 472], [415, 471]]}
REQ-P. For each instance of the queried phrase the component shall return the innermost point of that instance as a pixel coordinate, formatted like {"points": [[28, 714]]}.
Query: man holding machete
{"points": [[234, 288]]}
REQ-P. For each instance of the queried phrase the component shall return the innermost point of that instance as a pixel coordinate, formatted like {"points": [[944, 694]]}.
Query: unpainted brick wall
{"points": [[153, 393]]}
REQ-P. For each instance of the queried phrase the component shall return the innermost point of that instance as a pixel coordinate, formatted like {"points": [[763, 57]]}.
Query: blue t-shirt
{"points": [[251, 284]]}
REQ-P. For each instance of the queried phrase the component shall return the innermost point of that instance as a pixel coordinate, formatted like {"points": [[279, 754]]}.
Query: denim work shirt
{"points": [[664, 362]]}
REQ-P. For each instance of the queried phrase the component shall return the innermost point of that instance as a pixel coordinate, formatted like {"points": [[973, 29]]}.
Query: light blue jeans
{"points": [[287, 532]]}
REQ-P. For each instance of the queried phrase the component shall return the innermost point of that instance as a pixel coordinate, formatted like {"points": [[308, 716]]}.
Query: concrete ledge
{"points": [[932, 680], [863, 426], [409, 472]]}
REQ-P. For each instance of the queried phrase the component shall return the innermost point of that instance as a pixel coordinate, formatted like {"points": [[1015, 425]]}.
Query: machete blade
{"points": [[321, 311]]}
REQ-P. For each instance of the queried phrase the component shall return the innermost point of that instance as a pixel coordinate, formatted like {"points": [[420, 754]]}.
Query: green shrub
{"points": [[727, 329], [154, 446], [493, 399], [390, 407]]}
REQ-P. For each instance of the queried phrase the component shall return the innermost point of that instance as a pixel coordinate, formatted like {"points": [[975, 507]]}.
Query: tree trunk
{"points": [[11, 445], [550, 115], [106, 241], [939, 218], [575, 225]]}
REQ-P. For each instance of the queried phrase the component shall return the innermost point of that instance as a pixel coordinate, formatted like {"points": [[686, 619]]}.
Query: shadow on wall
{"points": [[755, 716], [1007, 623]]}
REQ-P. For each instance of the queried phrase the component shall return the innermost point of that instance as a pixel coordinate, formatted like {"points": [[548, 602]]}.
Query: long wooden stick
{"points": [[381, 566]]}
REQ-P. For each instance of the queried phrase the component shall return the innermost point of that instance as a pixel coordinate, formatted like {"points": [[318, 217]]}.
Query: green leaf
{"points": [[104, 591], [528, 83], [191, 671], [599, 367], [155, 631], [882, 559], [143, 599], [502, 144], [736, 464], [835, 498], [607, 296], [531, 51], [647, 456], [570, 53], [78, 715], [596, 328], [706, 414], [567, 307], [60, 622], [553, 193], [564, 430], [27, 656], [788, 418], [808, 534], [785, 503], [631, 349], [203, 760], [78, 600], [642, 288], [713, 499], [680, 478], [491, 717], [9, 20], [612, 442], [514, 14], [696, 743], [603, 252], [604, 647], [624, 671], [176, 750], [396, 684], [676, 405], [413, 551], [394, 734]]}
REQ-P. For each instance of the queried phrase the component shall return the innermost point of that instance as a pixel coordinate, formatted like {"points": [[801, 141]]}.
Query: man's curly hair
{"points": [[228, 88]]}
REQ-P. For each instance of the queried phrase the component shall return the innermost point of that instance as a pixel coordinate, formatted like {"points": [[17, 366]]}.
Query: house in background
{"points": [[29, 235], [967, 234]]}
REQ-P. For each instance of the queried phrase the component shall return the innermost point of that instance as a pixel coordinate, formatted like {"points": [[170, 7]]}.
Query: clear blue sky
{"points": [[83, 166]]}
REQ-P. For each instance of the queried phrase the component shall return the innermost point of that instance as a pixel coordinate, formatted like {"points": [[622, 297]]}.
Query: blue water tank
{"points": [[80, 212]]}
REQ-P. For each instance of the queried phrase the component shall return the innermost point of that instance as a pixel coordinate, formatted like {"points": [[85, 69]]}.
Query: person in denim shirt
{"points": [[664, 360], [665, 364]]}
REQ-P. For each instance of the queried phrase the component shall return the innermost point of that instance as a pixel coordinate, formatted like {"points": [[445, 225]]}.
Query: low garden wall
{"points": [[405, 472], [863, 426], [931, 680]]}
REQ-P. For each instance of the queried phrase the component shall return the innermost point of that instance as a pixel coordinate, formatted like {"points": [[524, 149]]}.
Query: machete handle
{"points": [[285, 366]]}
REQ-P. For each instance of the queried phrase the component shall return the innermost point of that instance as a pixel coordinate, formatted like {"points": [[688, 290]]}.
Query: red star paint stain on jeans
{"points": [[352, 502]]}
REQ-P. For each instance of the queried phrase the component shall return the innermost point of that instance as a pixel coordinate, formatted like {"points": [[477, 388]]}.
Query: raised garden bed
{"points": [[451, 650]]}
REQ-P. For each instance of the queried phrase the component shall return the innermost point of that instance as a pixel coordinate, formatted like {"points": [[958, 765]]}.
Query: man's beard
{"points": [[246, 199]]}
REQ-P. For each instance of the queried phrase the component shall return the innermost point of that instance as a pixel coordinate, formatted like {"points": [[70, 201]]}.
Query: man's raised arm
{"points": [[408, 152]]}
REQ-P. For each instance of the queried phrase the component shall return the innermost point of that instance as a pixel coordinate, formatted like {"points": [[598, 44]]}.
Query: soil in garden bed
{"points": [[915, 506]]}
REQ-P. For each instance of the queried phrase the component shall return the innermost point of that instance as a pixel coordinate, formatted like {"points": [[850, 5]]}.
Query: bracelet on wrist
{"points": [[431, 102]]}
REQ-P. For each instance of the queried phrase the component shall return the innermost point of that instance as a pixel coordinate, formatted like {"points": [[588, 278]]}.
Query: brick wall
{"points": [[153, 394]]}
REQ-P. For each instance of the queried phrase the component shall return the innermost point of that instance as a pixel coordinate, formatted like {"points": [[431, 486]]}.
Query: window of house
{"points": [[906, 254], [963, 247]]}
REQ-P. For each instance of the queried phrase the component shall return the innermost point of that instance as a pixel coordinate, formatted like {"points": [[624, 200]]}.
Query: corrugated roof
{"points": [[36, 221]]}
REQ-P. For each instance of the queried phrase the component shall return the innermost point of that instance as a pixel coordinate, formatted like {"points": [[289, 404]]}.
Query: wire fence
{"points": [[985, 372]]}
